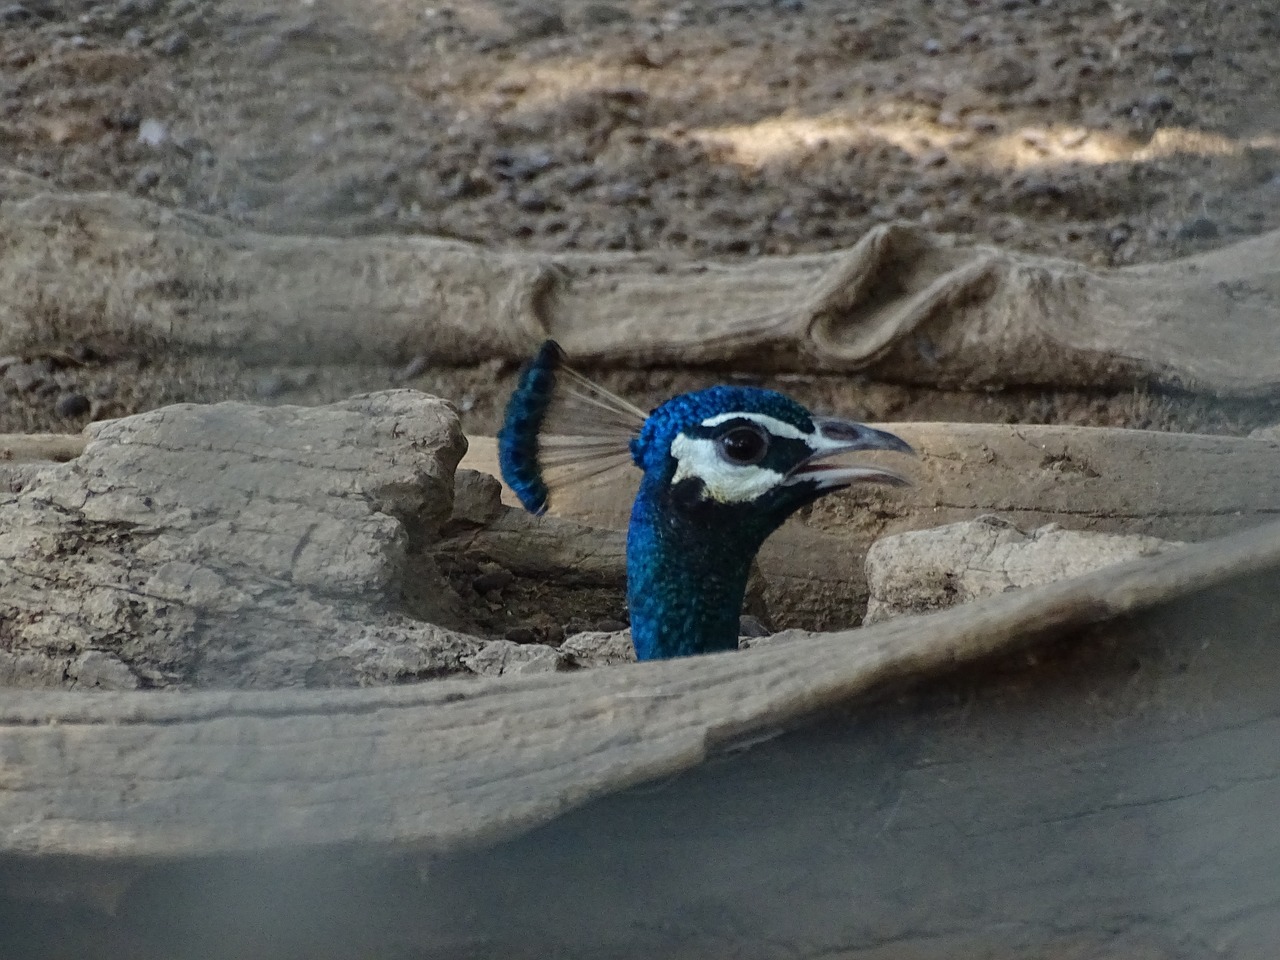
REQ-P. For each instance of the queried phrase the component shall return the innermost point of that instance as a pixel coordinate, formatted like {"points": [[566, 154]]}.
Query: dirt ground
{"points": [[1110, 133]]}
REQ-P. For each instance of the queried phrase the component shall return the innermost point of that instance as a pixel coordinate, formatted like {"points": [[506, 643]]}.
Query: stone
{"points": [[233, 545], [926, 570], [72, 405], [499, 658], [596, 648]]}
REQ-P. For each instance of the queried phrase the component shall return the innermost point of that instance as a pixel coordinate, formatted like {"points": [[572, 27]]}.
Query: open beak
{"points": [[833, 437]]}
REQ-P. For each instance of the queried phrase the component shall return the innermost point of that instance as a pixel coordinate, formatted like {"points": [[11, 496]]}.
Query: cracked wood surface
{"points": [[452, 764], [902, 304]]}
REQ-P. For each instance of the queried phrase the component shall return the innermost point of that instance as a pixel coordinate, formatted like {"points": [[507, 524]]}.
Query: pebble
{"points": [[609, 626], [152, 132], [520, 635], [749, 626], [146, 178], [932, 46], [1184, 55], [71, 405], [1165, 76]]}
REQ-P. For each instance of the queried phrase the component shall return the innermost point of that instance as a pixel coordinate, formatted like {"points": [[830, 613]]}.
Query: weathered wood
{"points": [[902, 304], [234, 545], [1167, 485], [449, 764]]}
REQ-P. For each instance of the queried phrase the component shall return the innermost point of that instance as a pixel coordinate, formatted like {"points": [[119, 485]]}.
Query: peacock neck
{"points": [[687, 572]]}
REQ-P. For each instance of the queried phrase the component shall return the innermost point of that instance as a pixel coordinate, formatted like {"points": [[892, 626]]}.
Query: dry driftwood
{"points": [[901, 305], [236, 545], [446, 764]]}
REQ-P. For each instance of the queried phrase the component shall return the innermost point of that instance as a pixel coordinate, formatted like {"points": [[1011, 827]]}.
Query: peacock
{"points": [[722, 469]]}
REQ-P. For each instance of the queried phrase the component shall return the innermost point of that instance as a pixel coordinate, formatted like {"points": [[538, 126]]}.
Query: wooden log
{"points": [[450, 764], [902, 304], [1168, 485]]}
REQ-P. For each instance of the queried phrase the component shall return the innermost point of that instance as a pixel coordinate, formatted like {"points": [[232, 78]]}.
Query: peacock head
{"points": [[749, 451]]}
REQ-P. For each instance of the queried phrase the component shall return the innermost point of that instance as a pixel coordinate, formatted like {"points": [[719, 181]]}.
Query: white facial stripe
{"points": [[698, 457], [779, 428]]}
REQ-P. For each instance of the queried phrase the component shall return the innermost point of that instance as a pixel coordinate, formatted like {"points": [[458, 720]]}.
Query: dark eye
{"points": [[743, 446]]}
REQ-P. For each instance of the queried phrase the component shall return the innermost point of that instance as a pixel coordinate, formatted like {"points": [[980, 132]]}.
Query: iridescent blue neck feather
{"points": [[723, 468]]}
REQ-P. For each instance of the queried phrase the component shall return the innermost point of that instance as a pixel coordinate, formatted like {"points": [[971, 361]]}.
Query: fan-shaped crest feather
{"points": [[561, 428]]}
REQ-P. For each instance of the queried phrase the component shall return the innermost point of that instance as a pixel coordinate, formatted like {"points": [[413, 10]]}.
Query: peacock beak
{"points": [[833, 437]]}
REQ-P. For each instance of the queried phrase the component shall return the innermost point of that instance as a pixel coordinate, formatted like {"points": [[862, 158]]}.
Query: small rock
{"points": [[146, 178], [8, 361], [1157, 103], [1006, 76], [174, 44], [103, 671], [72, 405], [1165, 76], [502, 658], [595, 649], [135, 37], [932, 46], [609, 626], [520, 635], [1198, 228], [477, 498], [152, 132], [789, 6], [749, 626], [270, 385], [1184, 55], [493, 579]]}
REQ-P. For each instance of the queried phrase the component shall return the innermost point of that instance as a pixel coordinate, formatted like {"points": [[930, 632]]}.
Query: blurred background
{"points": [[1105, 132]]}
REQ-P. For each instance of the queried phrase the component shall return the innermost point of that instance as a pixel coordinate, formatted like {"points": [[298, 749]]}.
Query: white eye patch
{"points": [[698, 457], [779, 428]]}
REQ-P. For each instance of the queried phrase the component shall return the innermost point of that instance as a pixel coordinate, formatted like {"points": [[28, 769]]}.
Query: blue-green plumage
{"points": [[722, 469]]}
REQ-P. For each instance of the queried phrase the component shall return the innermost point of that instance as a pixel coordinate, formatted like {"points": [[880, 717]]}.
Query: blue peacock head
{"points": [[722, 469]]}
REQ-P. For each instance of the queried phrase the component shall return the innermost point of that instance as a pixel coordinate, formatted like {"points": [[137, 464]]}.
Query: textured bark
{"points": [[459, 763], [901, 305]]}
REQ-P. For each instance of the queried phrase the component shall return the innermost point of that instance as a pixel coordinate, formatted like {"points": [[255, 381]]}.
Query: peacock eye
{"points": [[743, 446]]}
